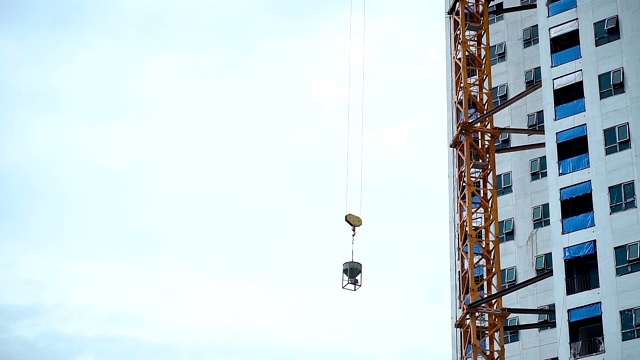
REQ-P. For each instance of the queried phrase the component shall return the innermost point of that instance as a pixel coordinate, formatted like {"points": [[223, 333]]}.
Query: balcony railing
{"points": [[586, 347], [565, 56], [582, 283], [570, 108]]}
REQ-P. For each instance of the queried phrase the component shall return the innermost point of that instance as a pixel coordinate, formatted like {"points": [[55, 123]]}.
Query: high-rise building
{"points": [[570, 206]]}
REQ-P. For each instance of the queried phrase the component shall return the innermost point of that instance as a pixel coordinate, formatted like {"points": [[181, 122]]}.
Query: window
{"points": [[538, 168], [611, 83], [568, 95], [530, 36], [498, 53], [630, 323], [527, 2], [565, 43], [576, 205], [627, 258], [532, 77], [573, 150], [607, 30], [585, 331], [547, 317], [499, 94], [495, 18], [559, 6], [622, 197], [504, 183], [543, 263], [536, 120], [616, 139], [581, 267], [512, 335], [503, 141], [505, 230], [508, 277], [541, 216]]}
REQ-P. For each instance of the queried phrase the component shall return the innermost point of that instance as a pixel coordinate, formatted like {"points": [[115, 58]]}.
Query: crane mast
{"points": [[478, 252]]}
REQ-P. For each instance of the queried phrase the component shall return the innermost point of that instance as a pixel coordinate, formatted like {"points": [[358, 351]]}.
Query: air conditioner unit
{"points": [[500, 49], [617, 77], [611, 23], [529, 76]]}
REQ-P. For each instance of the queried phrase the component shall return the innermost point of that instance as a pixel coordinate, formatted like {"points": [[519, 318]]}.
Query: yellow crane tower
{"points": [[481, 321]]}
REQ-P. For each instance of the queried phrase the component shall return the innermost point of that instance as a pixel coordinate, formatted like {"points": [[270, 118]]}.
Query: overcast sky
{"points": [[173, 173]]}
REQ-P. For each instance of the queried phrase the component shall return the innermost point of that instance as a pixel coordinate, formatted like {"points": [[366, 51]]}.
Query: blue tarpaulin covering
{"points": [[568, 109], [566, 56], [467, 298], [572, 133], [561, 6], [585, 312], [573, 164], [578, 222], [483, 345], [478, 271], [475, 202], [575, 190], [476, 249], [579, 250]]}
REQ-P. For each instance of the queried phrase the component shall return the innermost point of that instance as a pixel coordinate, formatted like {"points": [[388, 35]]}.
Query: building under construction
{"points": [[544, 129]]}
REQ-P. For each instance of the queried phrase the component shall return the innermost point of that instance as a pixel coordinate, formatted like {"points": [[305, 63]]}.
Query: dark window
{"points": [[581, 274], [568, 94], [532, 77], [530, 36], [542, 318], [508, 277], [565, 47], [611, 83], [622, 197], [543, 263], [630, 323], [573, 150], [538, 168], [576, 205], [504, 183], [503, 141], [513, 335], [541, 216], [527, 2], [498, 53], [616, 139], [627, 258], [607, 30], [586, 337], [499, 94], [495, 18], [536, 120], [505, 230]]}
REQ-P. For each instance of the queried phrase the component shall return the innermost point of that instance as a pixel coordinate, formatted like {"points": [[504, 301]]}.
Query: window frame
{"points": [[495, 18], [498, 99], [542, 169], [503, 235], [546, 317], [626, 203], [547, 263], [536, 76], [611, 89], [538, 123], [511, 336], [498, 57], [504, 274], [602, 35], [635, 324], [624, 264], [533, 38], [619, 145], [542, 221], [501, 188]]}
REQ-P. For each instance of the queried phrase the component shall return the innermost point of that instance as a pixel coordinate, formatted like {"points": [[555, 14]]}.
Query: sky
{"points": [[173, 178]]}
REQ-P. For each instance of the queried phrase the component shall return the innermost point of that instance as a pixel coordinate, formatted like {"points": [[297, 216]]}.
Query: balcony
{"points": [[561, 6], [582, 283], [588, 347]]}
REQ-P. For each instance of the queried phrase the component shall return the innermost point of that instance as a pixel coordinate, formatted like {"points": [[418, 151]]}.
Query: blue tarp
{"points": [[476, 249], [475, 202], [573, 164], [561, 6], [467, 298], [483, 344], [575, 190], [568, 109], [478, 271], [572, 133], [566, 56], [579, 250], [585, 312], [578, 222]]}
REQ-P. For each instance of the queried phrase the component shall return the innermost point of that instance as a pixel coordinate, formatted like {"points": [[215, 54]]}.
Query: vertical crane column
{"points": [[481, 328]]}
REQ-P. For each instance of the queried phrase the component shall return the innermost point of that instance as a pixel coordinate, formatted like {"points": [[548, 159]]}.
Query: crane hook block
{"points": [[353, 220]]}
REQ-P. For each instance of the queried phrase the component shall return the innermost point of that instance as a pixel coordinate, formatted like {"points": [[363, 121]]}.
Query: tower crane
{"points": [[481, 320]]}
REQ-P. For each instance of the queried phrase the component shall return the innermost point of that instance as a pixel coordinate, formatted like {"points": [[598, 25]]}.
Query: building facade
{"points": [[570, 206]]}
